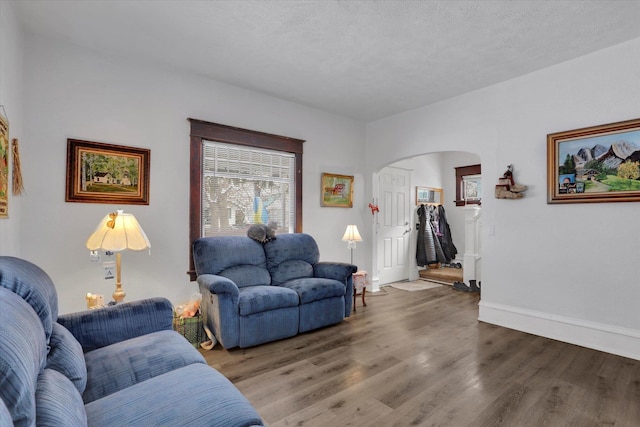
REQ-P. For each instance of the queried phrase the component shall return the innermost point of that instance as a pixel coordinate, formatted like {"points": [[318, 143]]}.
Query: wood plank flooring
{"points": [[422, 358]]}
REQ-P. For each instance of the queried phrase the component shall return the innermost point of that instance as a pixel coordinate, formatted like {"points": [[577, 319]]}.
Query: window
{"points": [[468, 185], [243, 186], [241, 177]]}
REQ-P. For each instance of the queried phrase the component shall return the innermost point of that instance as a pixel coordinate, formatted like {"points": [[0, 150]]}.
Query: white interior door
{"points": [[394, 224]]}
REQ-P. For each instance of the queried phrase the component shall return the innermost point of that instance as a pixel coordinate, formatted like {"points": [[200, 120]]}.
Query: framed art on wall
{"points": [[428, 196], [4, 167], [106, 173], [594, 164], [337, 190]]}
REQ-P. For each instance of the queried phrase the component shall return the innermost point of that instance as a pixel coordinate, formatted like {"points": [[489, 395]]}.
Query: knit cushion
{"points": [[58, 402], [66, 357]]}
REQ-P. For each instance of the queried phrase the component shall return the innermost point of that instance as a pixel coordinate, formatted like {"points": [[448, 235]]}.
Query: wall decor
{"points": [[468, 185], [429, 196], [594, 164], [4, 167], [106, 173], [337, 190]]}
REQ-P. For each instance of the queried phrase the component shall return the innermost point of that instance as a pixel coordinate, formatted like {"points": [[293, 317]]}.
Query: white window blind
{"points": [[243, 186]]}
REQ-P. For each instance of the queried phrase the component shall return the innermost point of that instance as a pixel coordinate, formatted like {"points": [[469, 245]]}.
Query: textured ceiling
{"points": [[363, 59]]}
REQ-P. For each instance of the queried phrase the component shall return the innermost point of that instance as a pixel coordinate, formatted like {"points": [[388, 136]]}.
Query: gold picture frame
{"points": [[107, 173], [594, 164], [429, 196], [336, 190]]}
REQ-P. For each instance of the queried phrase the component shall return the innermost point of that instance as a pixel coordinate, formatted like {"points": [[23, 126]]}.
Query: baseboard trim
{"points": [[610, 339]]}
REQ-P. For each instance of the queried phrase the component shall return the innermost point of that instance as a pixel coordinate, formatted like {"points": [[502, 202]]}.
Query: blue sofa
{"points": [[254, 293], [116, 366]]}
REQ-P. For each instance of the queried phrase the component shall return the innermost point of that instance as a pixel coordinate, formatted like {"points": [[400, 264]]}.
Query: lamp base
{"points": [[118, 295]]}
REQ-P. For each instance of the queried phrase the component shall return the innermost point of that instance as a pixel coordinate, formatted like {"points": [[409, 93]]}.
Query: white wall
{"points": [[10, 99], [564, 271], [75, 93]]}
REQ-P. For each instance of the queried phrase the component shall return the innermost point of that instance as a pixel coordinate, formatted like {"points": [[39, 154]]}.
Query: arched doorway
{"points": [[436, 170]]}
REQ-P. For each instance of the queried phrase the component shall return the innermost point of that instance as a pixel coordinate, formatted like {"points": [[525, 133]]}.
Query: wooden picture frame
{"points": [[594, 164], [336, 190], [106, 173], [4, 167], [468, 185], [429, 196]]}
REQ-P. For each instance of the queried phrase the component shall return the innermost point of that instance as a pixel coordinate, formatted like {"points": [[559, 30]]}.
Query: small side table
{"points": [[360, 280]]}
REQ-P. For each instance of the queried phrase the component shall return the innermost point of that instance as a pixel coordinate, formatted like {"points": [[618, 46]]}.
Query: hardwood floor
{"points": [[422, 358]]}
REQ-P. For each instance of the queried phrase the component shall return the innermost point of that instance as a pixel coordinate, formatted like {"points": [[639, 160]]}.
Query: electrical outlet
{"points": [[109, 269]]}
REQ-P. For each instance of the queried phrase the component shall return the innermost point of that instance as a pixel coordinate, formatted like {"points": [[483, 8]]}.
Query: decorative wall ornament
{"points": [[507, 187], [18, 186], [4, 166]]}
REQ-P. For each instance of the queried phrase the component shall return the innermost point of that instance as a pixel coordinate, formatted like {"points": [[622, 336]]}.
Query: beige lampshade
{"points": [[351, 234], [116, 232]]}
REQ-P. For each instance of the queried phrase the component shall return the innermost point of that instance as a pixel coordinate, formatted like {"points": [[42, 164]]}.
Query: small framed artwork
{"points": [[594, 164], [337, 190], [472, 188], [4, 167], [106, 173], [428, 196]]}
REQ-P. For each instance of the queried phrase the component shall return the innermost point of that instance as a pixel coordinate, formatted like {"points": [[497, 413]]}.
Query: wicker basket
{"points": [[192, 328]]}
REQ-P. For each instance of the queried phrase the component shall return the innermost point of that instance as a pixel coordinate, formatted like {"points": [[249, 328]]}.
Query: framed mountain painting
{"points": [[594, 164]]}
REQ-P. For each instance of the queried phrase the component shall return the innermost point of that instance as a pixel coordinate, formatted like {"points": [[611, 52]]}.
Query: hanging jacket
{"points": [[428, 250], [449, 249]]}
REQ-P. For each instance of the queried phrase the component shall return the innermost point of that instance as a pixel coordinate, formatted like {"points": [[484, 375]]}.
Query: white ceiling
{"points": [[363, 59]]}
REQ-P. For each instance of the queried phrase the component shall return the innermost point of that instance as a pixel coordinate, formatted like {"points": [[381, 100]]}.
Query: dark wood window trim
{"points": [[461, 172], [201, 130]]}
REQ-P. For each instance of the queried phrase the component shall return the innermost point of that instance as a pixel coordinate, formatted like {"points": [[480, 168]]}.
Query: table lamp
{"points": [[351, 236], [117, 232]]}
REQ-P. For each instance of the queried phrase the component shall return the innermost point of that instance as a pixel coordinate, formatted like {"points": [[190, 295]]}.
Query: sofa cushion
{"points": [[247, 275], [34, 286], [66, 356], [121, 365], [290, 270], [256, 299], [22, 356], [204, 398], [238, 258], [58, 401], [291, 256], [5, 416], [314, 289]]}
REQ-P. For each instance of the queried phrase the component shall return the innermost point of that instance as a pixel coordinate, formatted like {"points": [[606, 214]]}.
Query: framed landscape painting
{"points": [[595, 164], [337, 190], [106, 173]]}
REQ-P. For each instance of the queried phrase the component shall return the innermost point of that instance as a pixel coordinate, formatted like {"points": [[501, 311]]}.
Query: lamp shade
{"points": [[351, 234], [116, 232]]}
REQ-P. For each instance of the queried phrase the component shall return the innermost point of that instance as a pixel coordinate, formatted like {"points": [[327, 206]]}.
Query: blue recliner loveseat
{"points": [[253, 293], [115, 366]]}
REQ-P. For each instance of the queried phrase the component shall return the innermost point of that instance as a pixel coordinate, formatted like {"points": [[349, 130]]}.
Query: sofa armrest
{"points": [[218, 284], [105, 326], [334, 270]]}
